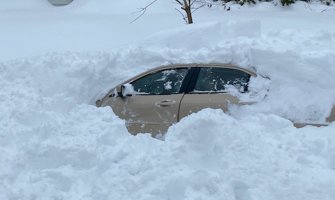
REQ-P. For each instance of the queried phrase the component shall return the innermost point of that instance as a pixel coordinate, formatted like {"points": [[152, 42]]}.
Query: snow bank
{"points": [[87, 154], [299, 63], [55, 144], [256, 157]]}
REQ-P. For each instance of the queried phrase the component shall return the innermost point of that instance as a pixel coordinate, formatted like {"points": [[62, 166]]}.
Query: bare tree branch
{"points": [[188, 7], [142, 11], [184, 17], [179, 2], [195, 9], [198, 1]]}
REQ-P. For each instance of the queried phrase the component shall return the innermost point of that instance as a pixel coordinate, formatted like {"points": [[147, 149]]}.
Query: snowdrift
{"points": [[55, 144]]}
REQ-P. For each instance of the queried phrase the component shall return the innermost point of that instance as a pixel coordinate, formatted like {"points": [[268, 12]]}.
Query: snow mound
{"points": [[55, 144], [298, 63], [87, 154]]}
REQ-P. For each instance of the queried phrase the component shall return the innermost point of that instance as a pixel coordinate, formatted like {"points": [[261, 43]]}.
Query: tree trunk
{"points": [[189, 14]]}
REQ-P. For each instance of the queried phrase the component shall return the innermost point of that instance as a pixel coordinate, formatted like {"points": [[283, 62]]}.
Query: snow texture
{"points": [[55, 144]]}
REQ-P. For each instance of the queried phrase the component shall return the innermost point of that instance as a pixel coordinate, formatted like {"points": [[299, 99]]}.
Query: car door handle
{"points": [[165, 103]]}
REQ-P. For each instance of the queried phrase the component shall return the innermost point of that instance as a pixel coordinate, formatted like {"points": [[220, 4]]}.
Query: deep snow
{"points": [[55, 144]]}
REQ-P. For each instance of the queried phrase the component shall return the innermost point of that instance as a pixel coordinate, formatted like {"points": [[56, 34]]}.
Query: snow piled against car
{"points": [[55, 144]]}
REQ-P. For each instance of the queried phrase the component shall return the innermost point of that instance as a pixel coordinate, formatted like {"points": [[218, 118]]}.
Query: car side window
{"points": [[160, 83], [214, 79]]}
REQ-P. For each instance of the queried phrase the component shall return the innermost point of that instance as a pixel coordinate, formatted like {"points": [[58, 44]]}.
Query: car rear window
{"points": [[213, 79]]}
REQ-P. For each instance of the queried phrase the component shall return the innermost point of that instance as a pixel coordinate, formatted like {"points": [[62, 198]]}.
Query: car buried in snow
{"points": [[154, 100]]}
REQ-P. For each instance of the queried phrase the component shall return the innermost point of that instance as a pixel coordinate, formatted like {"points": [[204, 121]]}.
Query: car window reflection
{"points": [[221, 79], [160, 83]]}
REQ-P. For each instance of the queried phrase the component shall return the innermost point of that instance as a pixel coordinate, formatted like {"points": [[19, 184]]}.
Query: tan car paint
{"points": [[192, 103], [156, 113], [147, 113]]}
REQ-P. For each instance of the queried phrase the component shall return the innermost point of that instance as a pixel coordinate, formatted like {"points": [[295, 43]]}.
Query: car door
{"points": [[154, 103], [209, 89]]}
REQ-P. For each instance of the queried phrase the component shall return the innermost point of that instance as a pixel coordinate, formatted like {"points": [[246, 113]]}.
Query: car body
{"points": [[154, 100]]}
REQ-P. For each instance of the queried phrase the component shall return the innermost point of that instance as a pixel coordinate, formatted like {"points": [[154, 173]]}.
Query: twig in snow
{"points": [[143, 10]]}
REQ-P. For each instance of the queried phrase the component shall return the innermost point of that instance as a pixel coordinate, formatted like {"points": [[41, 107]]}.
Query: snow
{"points": [[55, 144], [34, 29]]}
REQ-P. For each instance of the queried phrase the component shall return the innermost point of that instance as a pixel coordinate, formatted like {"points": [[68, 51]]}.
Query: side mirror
{"points": [[124, 90], [331, 117], [119, 90]]}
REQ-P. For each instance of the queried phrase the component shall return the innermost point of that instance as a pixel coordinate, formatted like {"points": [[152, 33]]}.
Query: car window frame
{"points": [[196, 71], [183, 86]]}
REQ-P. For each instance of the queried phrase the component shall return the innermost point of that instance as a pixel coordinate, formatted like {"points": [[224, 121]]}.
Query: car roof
{"points": [[180, 65], [220, 65]]}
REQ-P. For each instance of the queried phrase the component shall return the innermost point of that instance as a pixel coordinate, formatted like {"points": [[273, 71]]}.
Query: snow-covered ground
{"points": [[55, 144]]}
